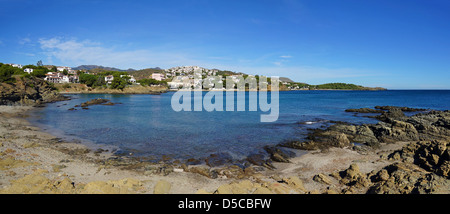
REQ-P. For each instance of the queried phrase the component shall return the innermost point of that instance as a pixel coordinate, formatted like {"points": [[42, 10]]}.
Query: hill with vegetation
{"points": [[342, 86], [144, 73], [94, 68], [330, 86]]}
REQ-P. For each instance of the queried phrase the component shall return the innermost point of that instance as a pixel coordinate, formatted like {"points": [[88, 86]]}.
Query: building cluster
{"points": [[189, 71], [61, 77], [159, 76], [109, 79], [177, 77], [55, 77], [130, 78], [15, 65], [297, 87], [185, 76], [64, 74]]}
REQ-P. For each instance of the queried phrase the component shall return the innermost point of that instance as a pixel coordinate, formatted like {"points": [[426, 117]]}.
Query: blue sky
{"points": [[396, 44]]}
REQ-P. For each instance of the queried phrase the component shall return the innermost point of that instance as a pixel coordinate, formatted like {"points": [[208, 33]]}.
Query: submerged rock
{"points": [[279, 154], [97, 101], [218, 159], [307, 145], [259, 160], [405, 109], [204, 171], [365, 110]]}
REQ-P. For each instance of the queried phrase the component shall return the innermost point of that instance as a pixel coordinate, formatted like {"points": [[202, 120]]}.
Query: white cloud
{"points": [[24, 41], [277, 63], [72, 52], [308, 74], [284, 59]]}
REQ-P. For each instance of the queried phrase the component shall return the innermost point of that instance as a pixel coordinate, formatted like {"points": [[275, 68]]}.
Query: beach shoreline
{"points": [[33, 161], [28, 152]]}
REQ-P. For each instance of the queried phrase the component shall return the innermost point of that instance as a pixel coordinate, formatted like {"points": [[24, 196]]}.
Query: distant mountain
{"points": [[99, 67]]}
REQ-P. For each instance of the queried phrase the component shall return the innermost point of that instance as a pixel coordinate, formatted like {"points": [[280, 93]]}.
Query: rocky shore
{"points": [[28, 92], [398, 155]]}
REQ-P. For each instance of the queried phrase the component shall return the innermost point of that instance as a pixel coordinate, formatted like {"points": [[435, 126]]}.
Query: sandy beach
{"points": [[32, 161]]}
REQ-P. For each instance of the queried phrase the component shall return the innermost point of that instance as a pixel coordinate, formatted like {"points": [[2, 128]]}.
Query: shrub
{"points": [[66, 86]]}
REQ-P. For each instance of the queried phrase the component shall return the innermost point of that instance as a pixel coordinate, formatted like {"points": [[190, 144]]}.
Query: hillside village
{"points": [[173, 78]]}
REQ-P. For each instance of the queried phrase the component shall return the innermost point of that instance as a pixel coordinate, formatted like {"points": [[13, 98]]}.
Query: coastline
{"points": [[76, 88], [32, 161]]}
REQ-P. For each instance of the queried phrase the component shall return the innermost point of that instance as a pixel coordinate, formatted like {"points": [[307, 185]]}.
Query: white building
{"points": [[65, 79], [158, 76], [28, 70], [56, 77], [62, 68], [175, 85], [179, 82], [109, 79], [53, 77], [132, 79], [16, 65], [74, 78]]}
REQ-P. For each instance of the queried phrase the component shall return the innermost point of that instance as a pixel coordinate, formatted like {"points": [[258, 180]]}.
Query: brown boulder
{"points": [[321, 178], [430, 155]]}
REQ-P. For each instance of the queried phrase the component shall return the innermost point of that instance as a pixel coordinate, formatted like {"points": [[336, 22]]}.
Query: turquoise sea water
{"points": [[147, 126]]}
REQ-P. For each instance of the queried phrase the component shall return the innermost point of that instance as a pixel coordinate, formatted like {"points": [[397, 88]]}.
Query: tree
{"points": [[119, 83], [6, 72], [40, 71], [30, 66], [88, 79], [39, 63], [100, 81], [147, 82]]}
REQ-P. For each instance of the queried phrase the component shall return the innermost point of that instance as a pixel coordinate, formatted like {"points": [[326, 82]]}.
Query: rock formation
{"points": [[28, 92], [393, 127]]}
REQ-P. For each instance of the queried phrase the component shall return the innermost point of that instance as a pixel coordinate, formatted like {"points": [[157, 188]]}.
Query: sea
{"points": [[148, 126]]}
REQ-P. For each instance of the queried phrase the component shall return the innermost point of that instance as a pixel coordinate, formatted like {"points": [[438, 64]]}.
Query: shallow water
{"points": [[147, 126]]}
